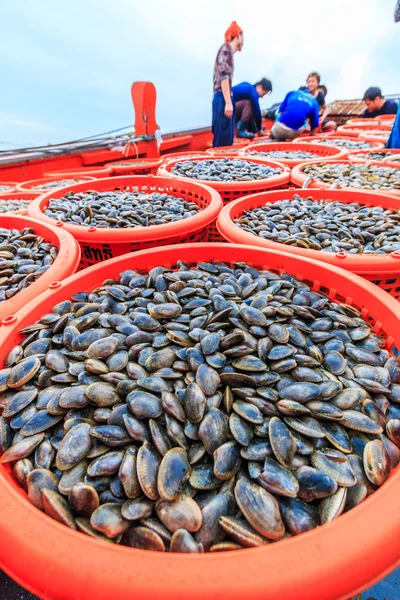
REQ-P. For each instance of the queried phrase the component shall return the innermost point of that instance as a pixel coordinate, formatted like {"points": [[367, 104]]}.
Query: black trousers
{"points": [[245, 113]]}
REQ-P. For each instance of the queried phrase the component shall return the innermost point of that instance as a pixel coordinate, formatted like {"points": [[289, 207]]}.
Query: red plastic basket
{"points": [[29, 186], [355, 131], [363, 154], [323, 151], [166, 158], [99, 244], [317, 138], [237, 143], [12, 185], [332, 562], [386, 118], [372, 137], [230, 190], [298, 177], [361, 122], [66, 263], [223, 151], [96, 172], [19, 196], [381, 269], [135, 166]]}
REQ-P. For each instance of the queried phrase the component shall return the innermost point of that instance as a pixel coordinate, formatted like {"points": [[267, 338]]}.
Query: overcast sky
{"points": [[67, 65]]}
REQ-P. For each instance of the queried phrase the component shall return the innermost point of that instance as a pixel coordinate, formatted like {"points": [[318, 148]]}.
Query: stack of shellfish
{"points": [[206, 407]]}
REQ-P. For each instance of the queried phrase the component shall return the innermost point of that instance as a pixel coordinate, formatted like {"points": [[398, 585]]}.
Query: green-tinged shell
{"points": [[22, 448], [239, 530], [74, 446], [315, 484], [241, 430], [137, 508], [377, 462], [334, 463], [83, 499], [211, 532], [282, 442], [37, 481], [183, 541], [108, 520], [143, 538], [260, 509], [181, 513], [333, 506], [213, 430], [147, 464], [226, 461], [298, 516], [23, 372], [278, 480], [174, 470]]}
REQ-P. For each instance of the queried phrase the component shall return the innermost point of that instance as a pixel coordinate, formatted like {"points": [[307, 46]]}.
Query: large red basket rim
{"points": [[284, 177], [237, 143], [361, 121], [365, 125], [297, 177], [15, 195], [324, 151], [65, 264], [354, 132], [187, 153], [34, 547], [136, 162], [369, 137], [26, 186], [90, 171], [5, 196], [11, 183], [359, 153], [311, 139], [360, 263], [134, 234], [226, 150], [129, 166]]}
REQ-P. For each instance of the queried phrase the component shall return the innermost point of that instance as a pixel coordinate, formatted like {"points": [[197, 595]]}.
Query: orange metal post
{"points": [[144, 97]]}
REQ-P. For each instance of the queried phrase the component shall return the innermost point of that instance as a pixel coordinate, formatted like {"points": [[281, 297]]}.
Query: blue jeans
{"points": [[222, 127]]}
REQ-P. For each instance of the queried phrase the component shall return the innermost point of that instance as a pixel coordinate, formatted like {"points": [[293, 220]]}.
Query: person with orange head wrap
{"points": [[223, 119], [232, 31]]}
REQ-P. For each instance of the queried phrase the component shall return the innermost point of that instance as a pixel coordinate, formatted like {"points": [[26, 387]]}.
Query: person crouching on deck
{"points": [[248, 113], [223, 115], [297, 107]]}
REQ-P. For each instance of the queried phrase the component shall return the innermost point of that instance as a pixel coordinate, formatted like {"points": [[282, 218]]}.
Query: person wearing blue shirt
{"points": [[248, 113], [297, 107]]}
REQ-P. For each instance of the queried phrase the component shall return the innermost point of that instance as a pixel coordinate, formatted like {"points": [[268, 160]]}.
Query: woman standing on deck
{"points": [[223, 119]]}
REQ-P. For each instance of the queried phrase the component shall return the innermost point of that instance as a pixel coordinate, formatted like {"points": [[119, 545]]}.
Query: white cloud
{"points": [[285, 38], [14, 121]]}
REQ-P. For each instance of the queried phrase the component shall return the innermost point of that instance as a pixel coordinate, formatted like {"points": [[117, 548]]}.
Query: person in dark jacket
{"points": [[223, 115], [248, 113], [394, 138], [377, 105]]}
